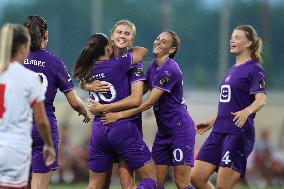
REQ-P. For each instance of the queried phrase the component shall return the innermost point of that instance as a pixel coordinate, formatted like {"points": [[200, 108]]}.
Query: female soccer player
{"points": [[20, 89], [242, 94], [121, 138], [174, 142], [123, 35], [54, 76]]}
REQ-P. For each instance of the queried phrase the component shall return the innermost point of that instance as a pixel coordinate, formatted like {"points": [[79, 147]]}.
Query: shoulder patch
{"points": [[164, 81], [138, 72], [262, 84]]}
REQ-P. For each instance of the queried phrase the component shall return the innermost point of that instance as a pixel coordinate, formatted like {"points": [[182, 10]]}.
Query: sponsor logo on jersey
{"points": [[138, 72], [262, 84], [164, 81]]}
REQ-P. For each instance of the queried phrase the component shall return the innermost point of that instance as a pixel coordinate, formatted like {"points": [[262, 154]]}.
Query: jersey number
{"points": [[2, 94], [99, 96], [178, 154], [44, 83], [226, 158]]}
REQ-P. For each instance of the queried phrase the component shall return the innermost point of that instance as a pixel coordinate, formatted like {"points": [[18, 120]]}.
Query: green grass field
{"points": [[168, 186]]}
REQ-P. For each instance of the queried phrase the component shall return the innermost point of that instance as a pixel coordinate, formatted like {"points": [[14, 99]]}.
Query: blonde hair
{"points": [[125, 22], [12, 36], [6, 39], [256, 42]]}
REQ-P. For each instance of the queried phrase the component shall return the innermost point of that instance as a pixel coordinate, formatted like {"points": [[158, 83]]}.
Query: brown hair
{"points": [[37, 27], [256, 42], [94, 49], [175, 42]]}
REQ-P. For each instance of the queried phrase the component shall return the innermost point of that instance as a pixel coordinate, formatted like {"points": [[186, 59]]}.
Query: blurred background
{"points": [[204, 27]]}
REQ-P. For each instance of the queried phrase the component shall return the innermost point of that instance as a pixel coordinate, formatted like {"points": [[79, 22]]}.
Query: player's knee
{"points": [[196, 180], [182, 181]]}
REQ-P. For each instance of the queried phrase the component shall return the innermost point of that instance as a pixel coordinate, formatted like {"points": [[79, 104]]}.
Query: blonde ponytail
{"points": [[6, 39]]}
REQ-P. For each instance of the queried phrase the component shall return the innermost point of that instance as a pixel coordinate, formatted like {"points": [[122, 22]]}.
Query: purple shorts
{"points": [[175, 148], [118, 139], [227, 150], [38, 162]]}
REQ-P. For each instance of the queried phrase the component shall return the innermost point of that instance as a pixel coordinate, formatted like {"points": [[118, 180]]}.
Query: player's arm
{"points": [[153, 97], [146, 88], [44, 130], [205, 125], [138, 53], [95, 86], [77, 104], [241, 117], [132, 101]]}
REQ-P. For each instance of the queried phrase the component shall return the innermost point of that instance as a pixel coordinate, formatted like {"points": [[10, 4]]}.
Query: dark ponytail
{"points": [[94, 49], [37, 27]]}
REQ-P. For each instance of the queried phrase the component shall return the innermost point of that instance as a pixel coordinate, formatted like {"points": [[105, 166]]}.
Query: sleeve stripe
{"points": [[258, 92], [162, 89], [134, 81], [67, 90]]}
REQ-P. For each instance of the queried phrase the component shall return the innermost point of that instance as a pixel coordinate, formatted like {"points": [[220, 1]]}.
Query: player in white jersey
{"points": [[20, 90]]}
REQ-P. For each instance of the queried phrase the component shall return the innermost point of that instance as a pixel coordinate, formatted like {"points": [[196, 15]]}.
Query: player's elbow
{"points": [[137, 102], [134, 101]]}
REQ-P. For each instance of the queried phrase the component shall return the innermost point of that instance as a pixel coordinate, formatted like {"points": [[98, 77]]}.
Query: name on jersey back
{"points": [[35, 62]]}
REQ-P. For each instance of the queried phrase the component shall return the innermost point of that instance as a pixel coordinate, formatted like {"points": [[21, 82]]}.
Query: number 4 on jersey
{"points": [[226, 158], [2, 94]]}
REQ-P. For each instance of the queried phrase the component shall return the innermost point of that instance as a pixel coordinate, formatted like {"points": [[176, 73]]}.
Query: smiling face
{"points": [[239, 42], [122, 36], [163, 45]]}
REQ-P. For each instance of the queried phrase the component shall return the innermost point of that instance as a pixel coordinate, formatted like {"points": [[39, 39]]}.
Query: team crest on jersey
{"points": [[138, 72], [164, 81], [262, 84]]}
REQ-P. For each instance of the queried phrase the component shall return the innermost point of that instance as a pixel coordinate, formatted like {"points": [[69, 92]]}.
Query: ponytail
{"points": [[256, 42], [257, 50], [175, 42], [37, 27], [94, 49], [6, 39]]}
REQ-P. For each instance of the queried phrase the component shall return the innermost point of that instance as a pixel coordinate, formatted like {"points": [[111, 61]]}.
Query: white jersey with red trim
{"points": [[19, 89]]}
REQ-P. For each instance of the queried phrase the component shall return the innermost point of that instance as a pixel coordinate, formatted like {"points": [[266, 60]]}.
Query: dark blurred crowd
{"points": [[266, 163]]}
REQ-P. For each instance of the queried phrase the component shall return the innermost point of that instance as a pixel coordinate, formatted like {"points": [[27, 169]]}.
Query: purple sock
{"points": [[146, 183], [160, 187]]}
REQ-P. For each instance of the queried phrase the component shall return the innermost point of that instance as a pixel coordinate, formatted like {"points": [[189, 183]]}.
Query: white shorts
{"points": [[14, 167]]}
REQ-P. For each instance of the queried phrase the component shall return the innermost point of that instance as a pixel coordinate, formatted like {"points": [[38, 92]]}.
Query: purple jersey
{"points": [[237, 91], [170, 110], [114, 72], [53, 73]]}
